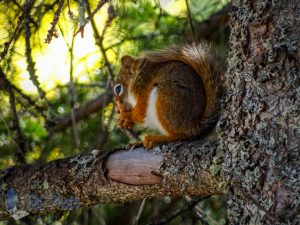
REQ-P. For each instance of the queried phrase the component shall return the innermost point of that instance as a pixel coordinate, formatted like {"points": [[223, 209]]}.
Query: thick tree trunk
{"points": [[259, 140], [260, 128], [183, 168]]}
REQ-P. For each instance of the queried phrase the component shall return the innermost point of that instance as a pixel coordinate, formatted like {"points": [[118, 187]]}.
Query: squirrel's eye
{"points": [[118, 89]]}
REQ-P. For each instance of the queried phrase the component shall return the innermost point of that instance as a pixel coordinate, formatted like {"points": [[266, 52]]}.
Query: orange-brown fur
{"points": [[187, 82], [138, 113]]}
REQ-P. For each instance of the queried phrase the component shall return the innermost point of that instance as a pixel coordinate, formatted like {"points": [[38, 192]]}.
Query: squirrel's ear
{"points": [[127, 61], [128, 64]]}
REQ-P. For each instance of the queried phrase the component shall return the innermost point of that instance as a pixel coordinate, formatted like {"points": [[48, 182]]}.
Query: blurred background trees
{"points": [[58, 61]]}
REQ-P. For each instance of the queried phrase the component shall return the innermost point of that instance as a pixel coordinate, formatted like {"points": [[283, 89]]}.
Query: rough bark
{"points": [[178, 169], [260, 125], [259, 145]]}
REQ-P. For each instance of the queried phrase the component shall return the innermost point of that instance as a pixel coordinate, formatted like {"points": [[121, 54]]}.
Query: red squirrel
{"points": [[174, 91]]}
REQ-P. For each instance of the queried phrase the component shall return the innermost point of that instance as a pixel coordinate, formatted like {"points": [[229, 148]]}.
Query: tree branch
{"points": [[6, 85], [81, 112], [19, 137], [177, 169], [16, 30], [52, 30]]}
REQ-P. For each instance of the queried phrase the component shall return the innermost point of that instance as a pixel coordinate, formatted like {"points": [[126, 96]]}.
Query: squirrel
{"points": [[174, 91]]}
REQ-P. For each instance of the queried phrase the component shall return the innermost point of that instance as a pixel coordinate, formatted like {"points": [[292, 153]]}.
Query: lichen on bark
{"points": [[90, 179], [260, 125]]}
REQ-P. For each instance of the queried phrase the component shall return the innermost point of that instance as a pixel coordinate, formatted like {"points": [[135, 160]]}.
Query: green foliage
{"points": [[33, 130], [203, 9]]}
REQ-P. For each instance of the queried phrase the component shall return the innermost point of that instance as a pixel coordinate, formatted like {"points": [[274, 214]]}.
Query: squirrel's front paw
{"points": [[124, 120], [148, 142]]}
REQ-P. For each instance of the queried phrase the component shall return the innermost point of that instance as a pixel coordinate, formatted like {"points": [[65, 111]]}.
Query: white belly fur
{"points": [[151, 119], [131, 99]]}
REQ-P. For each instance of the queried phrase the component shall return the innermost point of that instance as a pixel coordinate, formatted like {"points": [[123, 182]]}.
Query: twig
{"points": [[81, 85], [190, 20], [108, 89], [104, 133], [19, 138], [30, 63], [99, 42], [178, 212], [5, 123], [130, 133], [145, 36], [81, 17], [16, 30], [31, 101], [39, 109], [17, 4], [139, 214], [72, 92], [52, 31], [45, 148], [71, 15], [73, 98], [98, 7], [201, 218], [201, 215], [20, 7], [90, 15], [111, 15]]}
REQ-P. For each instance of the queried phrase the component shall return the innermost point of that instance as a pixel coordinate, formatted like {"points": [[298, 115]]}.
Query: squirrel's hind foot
{"points": [[151, 141]]}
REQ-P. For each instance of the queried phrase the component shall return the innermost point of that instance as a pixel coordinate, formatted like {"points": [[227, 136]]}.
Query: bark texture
{"points": [[260, 125], [182, 168]]}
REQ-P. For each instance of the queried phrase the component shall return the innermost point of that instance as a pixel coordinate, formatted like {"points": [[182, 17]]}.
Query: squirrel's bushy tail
{"points": [[201, 58]]}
